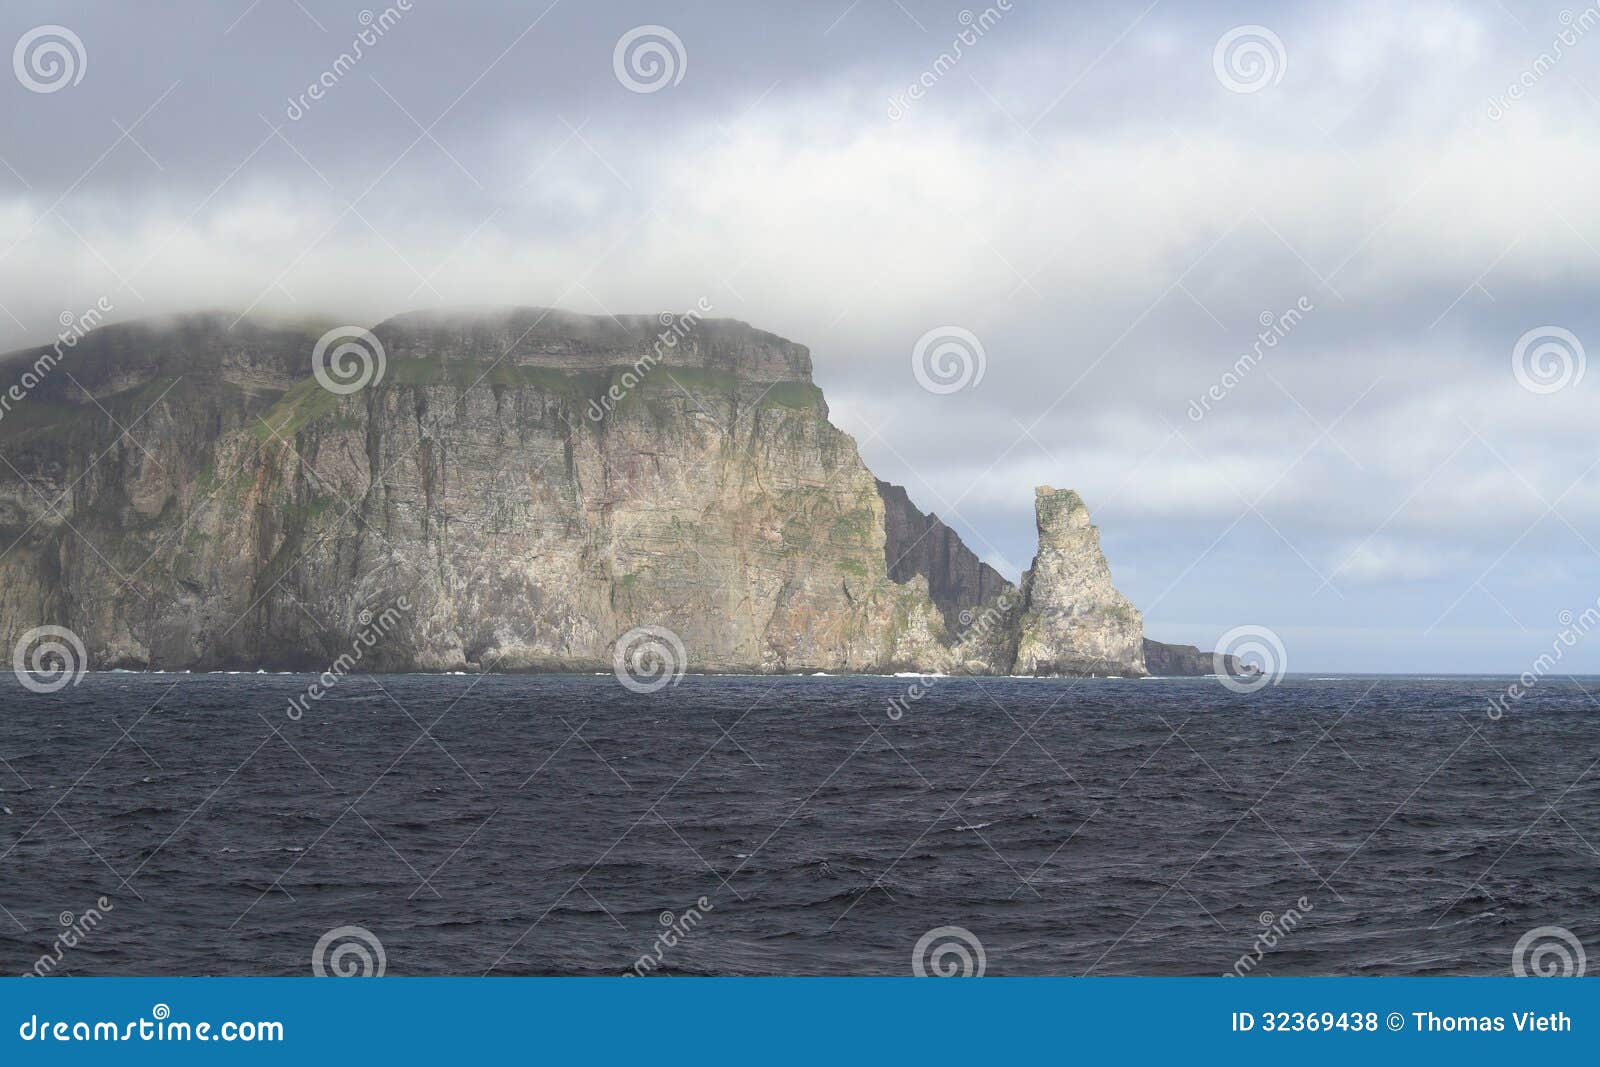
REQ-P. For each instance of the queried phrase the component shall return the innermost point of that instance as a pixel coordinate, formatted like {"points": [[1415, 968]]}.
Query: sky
{"points": [[1048, 263]]}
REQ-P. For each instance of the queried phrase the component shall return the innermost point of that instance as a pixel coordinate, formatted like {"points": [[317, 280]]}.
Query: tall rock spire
{"points": [[1074, 620]]}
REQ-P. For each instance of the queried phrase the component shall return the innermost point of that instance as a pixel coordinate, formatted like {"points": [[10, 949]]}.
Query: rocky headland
{"points": [[504, 490]]}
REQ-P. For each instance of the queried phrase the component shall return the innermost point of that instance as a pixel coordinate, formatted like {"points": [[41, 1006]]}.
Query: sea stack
{"points": [[1074, 621]]}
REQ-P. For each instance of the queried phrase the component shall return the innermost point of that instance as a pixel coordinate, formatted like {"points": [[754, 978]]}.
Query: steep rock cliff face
{"points": [[250, 517], [1074, 620], [518, 490], [920, 544]]}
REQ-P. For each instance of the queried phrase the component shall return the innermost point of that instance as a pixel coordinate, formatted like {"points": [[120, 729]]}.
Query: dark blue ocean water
{"points": [[543, 825]]}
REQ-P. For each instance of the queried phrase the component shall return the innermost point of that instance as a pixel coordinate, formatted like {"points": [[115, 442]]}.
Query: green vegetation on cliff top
{"points": [[308, 402]]}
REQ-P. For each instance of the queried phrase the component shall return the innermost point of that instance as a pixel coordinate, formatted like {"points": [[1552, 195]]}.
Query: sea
{"points": [[216, 824]]}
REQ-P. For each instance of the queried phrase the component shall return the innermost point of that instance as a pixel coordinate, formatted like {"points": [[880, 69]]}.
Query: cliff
{"points": [[920, 544], [1170, 661], [502, 490]]}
